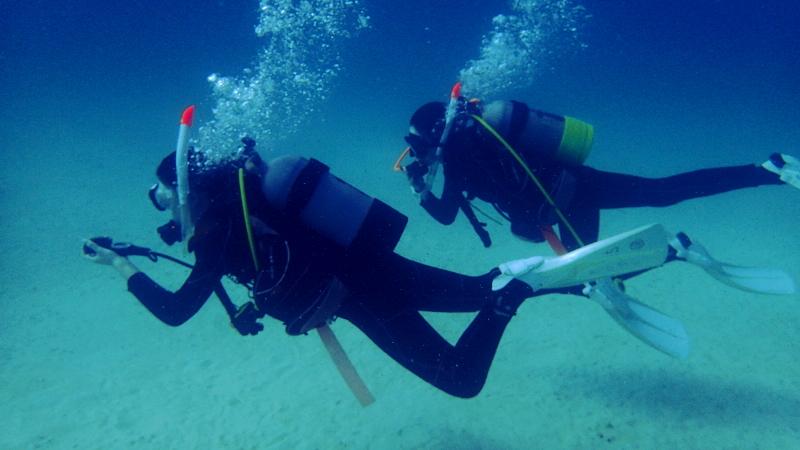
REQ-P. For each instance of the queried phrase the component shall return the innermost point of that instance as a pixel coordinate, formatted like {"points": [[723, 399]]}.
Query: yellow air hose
{"points": [[532, 176]]}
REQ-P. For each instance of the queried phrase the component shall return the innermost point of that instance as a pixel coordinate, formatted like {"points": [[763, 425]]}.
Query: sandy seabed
{"points": [[83, 365]]}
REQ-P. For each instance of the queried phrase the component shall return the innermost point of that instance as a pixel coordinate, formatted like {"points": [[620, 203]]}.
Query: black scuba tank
{"points": [[539, 134], [354, 221]]}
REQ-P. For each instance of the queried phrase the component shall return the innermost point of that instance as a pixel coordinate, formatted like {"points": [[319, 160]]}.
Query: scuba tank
{"points": [[354, 221], [540, 134]]}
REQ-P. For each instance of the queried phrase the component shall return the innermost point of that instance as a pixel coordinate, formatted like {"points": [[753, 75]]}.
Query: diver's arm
{"points": [[443, 209], [173, 308]]}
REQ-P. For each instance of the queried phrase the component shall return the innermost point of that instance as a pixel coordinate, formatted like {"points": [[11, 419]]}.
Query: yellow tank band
{"points": [[576, 142]]}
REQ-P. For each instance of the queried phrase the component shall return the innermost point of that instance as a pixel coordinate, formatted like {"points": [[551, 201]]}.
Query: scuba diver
{"points": [[310, 248], [528, 164]]}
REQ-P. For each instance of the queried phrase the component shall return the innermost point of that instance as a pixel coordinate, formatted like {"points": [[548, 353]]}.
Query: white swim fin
{"points": [[752, 279], [636, 250], [643, 248], [787, 167], [649, 325]]}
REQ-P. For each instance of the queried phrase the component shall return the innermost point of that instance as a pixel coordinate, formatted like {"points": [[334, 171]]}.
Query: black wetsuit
{"points": [[385, 294], [475, 165]]}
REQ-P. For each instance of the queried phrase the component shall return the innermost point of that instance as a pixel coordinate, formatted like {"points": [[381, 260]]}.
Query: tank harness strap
{"points": [[305, 185], [248, 228], [308, 179], [532, 176], [345, 366]]}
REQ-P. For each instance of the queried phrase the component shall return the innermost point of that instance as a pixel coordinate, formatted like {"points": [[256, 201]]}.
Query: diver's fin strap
{"points": [[345, 366], [247, 225]]}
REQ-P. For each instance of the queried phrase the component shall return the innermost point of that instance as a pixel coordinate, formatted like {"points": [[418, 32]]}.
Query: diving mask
{"points": [[161, 197]]}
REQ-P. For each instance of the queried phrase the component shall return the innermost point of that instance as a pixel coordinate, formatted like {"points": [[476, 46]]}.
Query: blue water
{"points": [[90, 96]]}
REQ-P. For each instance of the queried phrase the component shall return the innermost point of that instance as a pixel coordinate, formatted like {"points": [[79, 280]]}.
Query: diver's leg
{"points": [[405, 336], [419, 286], [614, 190], [407, 284]]}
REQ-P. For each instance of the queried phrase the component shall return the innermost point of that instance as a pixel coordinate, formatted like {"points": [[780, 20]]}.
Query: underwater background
{"points": [[90, 96]]}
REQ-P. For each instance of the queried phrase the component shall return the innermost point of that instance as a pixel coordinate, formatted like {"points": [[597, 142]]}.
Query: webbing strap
{"points": [[553, 240], [345, 366]]}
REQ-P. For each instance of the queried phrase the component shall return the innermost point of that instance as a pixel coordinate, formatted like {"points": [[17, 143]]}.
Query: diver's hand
{"points": [[419, 186], [98, 254], [416, 173], [246, 320], [105, 256]]}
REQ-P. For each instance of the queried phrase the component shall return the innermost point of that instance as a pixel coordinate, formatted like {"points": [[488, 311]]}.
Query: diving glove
{"points": [[787, 167]]}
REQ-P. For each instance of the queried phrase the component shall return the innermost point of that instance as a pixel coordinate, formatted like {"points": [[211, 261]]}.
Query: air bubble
{"points": [[293, 72], [512, 52]]}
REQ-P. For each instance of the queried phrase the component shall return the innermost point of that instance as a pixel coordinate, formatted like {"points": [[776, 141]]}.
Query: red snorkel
{"points": [[449, 115], [182, 171]]}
